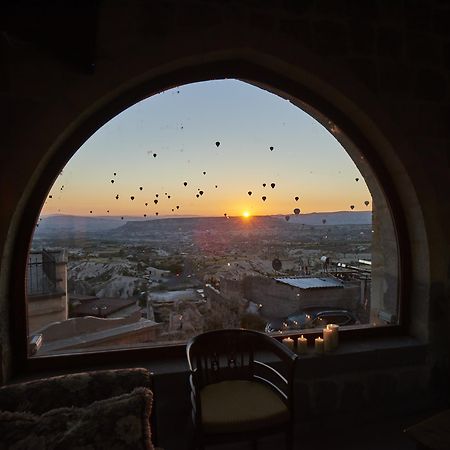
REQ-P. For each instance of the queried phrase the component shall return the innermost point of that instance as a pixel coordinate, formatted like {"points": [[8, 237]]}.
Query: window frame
{"points": [[232, 68]]}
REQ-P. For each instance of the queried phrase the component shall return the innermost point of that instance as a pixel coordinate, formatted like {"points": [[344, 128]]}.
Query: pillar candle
{"points": [[335, 329], [289, 342], [318, 345], [328, 339], [302, 345]]}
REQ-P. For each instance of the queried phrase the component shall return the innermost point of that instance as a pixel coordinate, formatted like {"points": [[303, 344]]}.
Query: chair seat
{"points": [[240, 405]]}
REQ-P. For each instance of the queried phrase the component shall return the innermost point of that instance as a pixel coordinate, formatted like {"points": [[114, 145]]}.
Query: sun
{"points": [[246, 214]]}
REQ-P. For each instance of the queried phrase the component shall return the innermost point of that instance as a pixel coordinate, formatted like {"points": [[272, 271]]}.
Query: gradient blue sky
{"points": [[181, 127]]}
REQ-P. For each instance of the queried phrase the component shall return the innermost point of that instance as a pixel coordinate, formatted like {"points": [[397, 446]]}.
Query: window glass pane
{"points": [[212, 205]]}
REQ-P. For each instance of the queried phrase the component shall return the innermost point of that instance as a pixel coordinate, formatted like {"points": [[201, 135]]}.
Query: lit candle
{"points": [[335, 336], [328, 339], [302, 345], [318, 345], [289, 342]]}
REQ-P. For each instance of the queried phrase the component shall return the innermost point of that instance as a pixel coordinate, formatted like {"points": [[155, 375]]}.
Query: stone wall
{"points": [[46, 309], [279, 300], [361, 383], [77, 326]]}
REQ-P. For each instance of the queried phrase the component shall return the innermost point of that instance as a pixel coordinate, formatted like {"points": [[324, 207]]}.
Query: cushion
{"points": [[239, 405], [80, 389], [118, 423]]}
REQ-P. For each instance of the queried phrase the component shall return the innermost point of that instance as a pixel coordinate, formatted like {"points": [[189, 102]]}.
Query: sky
{"points": [[224, 138]]}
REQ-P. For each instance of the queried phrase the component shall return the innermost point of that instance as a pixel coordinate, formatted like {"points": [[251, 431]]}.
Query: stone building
{"points": [[46, 288], [281, 297]]}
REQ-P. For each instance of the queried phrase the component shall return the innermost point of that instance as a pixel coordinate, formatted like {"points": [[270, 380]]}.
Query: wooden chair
{"points": [[236, 397]]}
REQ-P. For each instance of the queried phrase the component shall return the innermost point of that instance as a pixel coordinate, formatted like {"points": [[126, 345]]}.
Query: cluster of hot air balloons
{"points": [[200, 192]]}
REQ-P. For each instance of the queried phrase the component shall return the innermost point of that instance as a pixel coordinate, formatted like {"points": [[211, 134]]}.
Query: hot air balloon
{"points": [[367, 202], [155, 202], [297, 211], [249, 192], [287, 218], [296, 199], [217, 143], [263, 198], [132, 197], [352, 206], [185, 183], [324, 221], [272, 185], [264, 184], [271, 148]]}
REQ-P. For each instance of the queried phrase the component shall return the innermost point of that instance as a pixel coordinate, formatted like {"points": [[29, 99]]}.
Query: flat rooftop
{"points": [[311, 283], [103, 306]]}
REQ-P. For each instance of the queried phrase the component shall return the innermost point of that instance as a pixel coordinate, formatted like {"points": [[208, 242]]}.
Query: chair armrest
{"points": [[280, 350]]}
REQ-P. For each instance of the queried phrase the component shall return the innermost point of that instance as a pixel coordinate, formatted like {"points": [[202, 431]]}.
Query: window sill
{"points": [[365, 354], [355, 352], [362, 354]]}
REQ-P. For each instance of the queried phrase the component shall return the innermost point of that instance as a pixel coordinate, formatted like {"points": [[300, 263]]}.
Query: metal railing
{"points": [[41, 273]]}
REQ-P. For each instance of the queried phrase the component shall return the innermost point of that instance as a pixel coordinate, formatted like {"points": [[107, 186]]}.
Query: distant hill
{"points": [[117, 226], [77, 224], [333, 218]]}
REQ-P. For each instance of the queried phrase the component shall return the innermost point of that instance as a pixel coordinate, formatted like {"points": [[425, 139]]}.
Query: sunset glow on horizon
{"points": [[209, 149]]}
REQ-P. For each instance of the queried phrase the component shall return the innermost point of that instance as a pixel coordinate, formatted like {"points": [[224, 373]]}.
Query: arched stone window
{"points": [[144, 265]]}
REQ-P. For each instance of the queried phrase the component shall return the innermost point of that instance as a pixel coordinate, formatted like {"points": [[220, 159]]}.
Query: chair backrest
{"points": [[228, 354]]}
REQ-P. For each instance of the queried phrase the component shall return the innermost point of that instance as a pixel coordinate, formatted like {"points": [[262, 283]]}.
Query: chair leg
{"points": [[196, 444], [290, 438]]}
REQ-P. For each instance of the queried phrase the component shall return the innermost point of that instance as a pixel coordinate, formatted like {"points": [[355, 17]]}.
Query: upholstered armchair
{"points": [[91, 410]]}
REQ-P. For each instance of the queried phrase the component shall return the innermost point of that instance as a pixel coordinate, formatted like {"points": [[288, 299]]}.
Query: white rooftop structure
{"points": [[311, 283], [174, 296]]}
